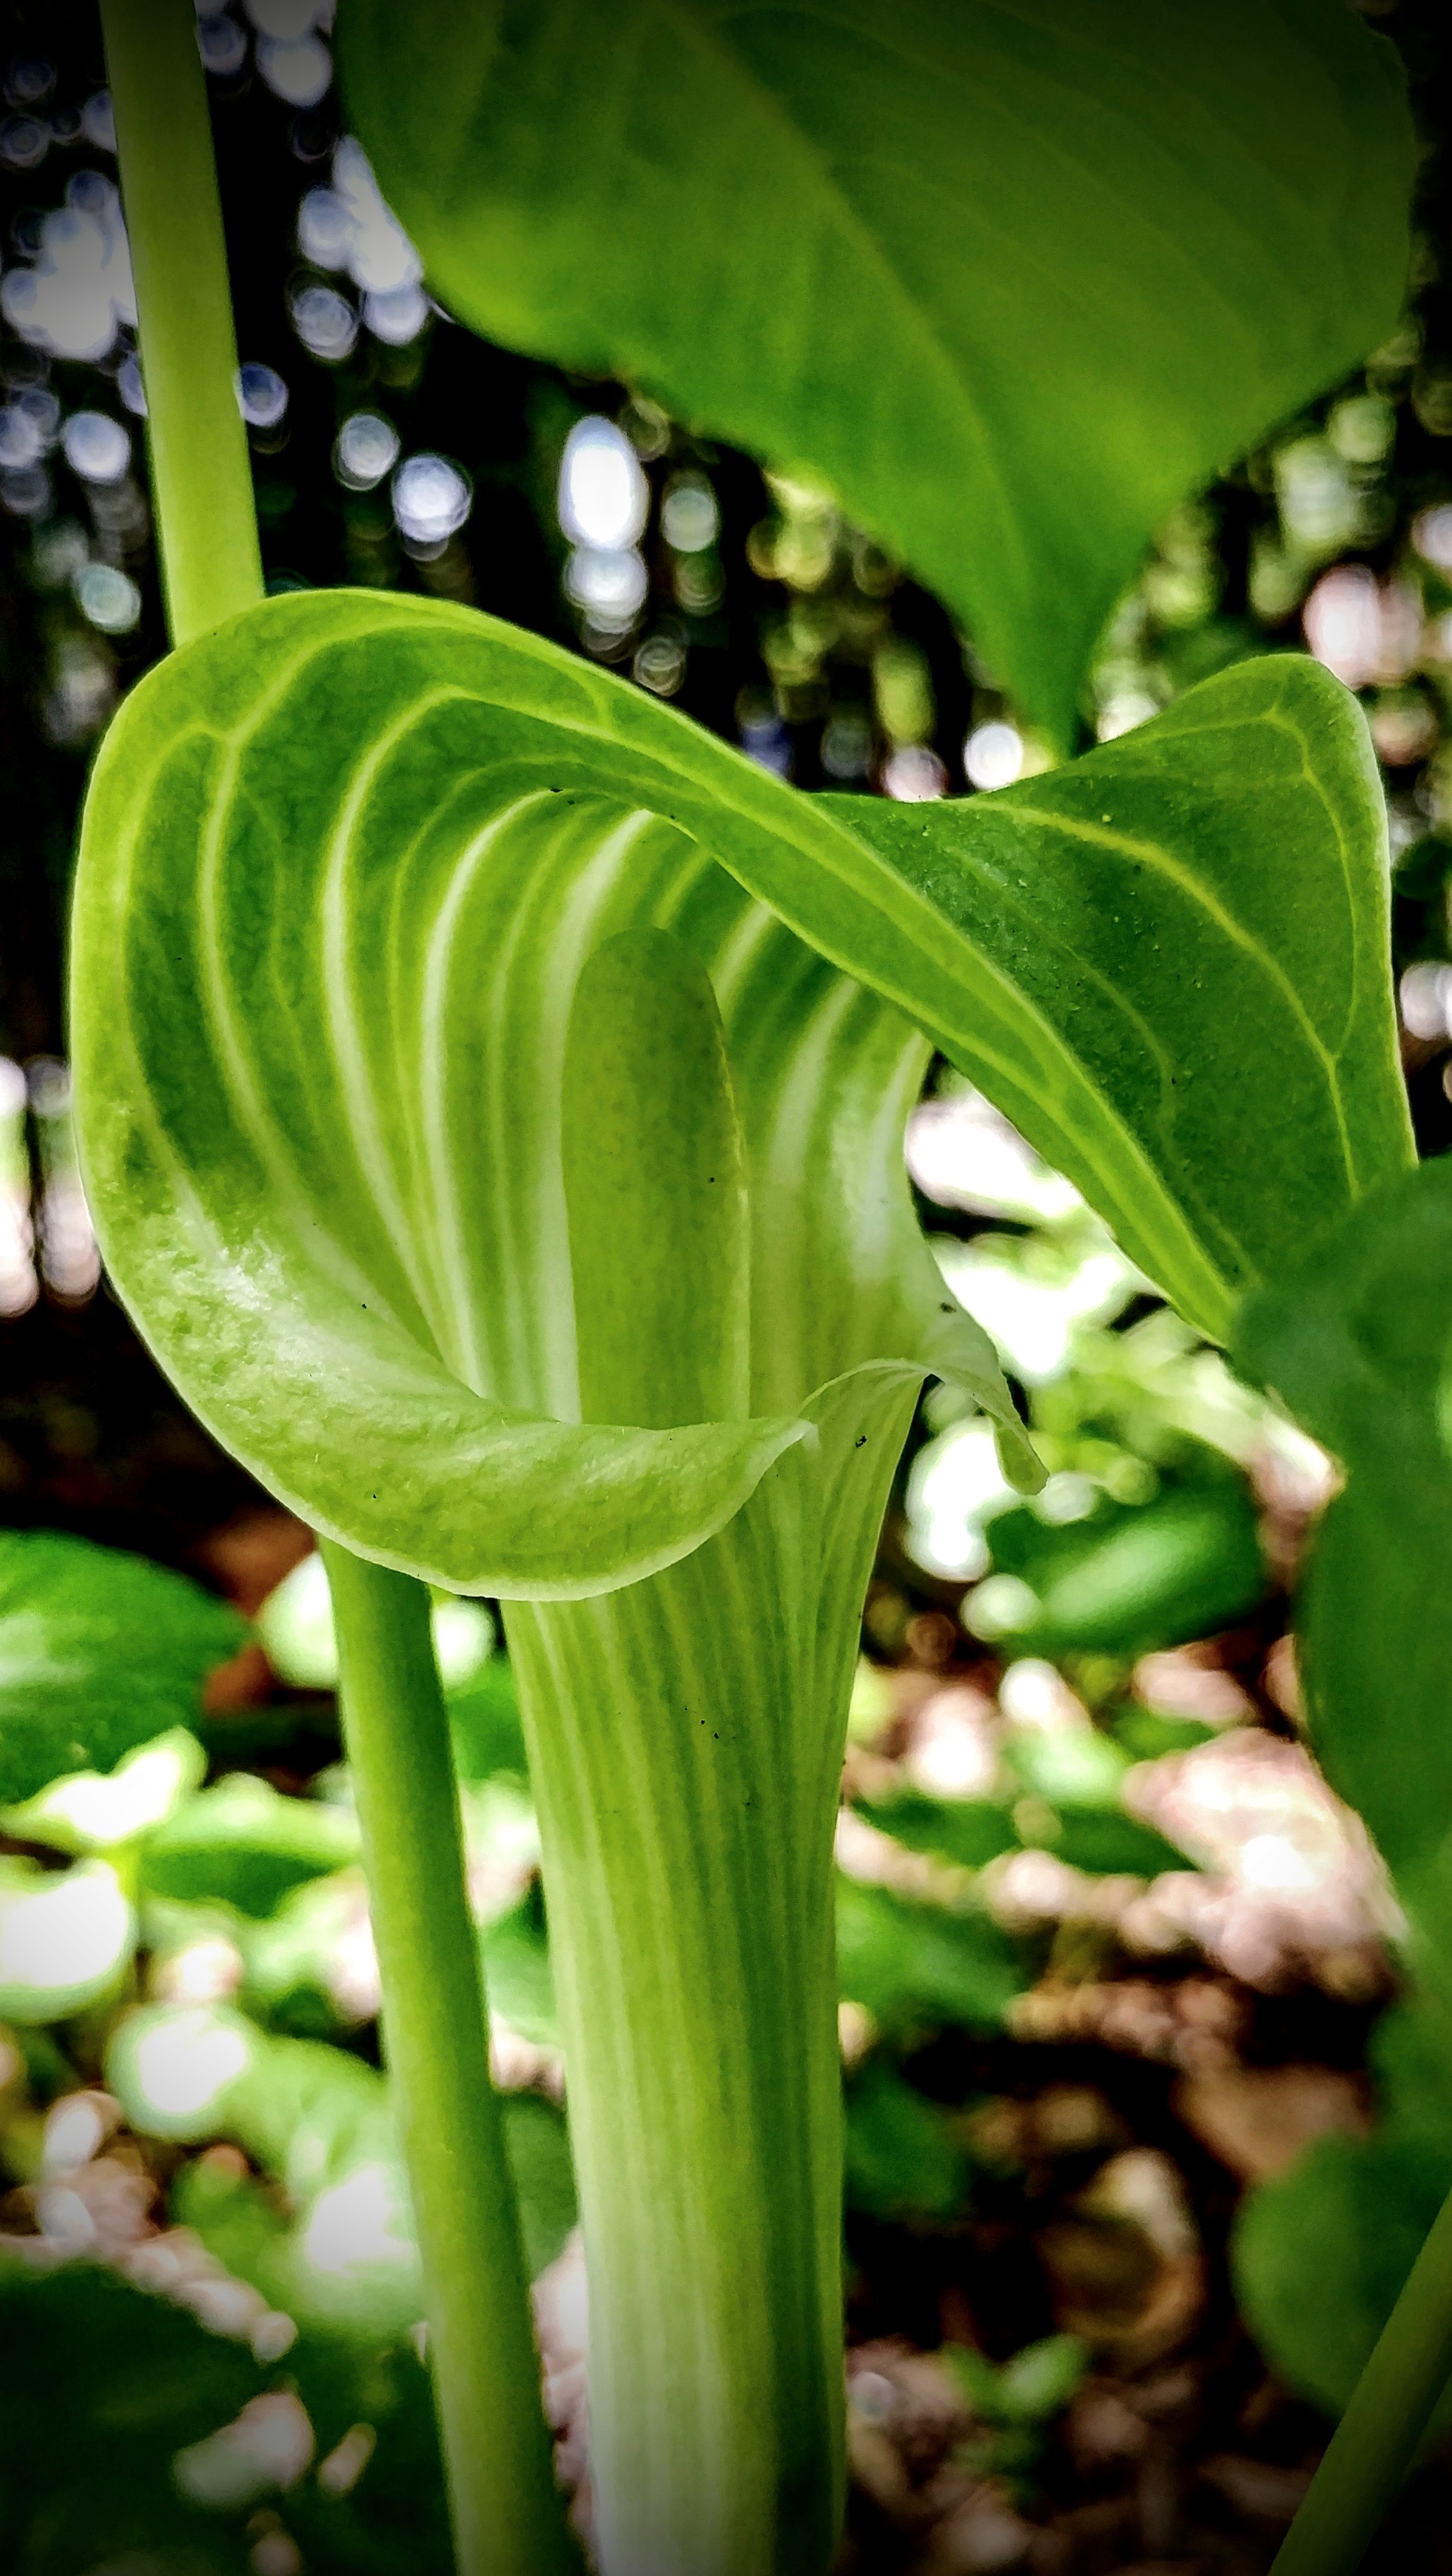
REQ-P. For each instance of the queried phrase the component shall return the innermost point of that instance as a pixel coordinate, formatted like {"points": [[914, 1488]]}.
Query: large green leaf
{"points": [[343, 862], [99, 1652], [1357, 1339], [1012, 280]]}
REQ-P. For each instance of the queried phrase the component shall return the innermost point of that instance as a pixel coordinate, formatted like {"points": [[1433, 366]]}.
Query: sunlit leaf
{"points": [[65, 1938], [99, 1652], [333, 2243], [1011, 282], [94, 1811]]}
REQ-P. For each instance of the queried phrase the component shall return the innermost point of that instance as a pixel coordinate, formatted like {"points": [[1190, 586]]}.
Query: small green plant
{"points": [[1015, 2402], [491, 1088]]}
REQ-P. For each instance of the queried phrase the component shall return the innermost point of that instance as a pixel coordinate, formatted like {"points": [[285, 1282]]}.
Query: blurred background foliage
{"points": [[1111, 1955]]}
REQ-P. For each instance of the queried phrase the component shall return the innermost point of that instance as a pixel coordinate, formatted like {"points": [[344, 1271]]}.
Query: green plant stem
{"points": [[507, 2511], [200, 469], [1381, 2431], [685, 1741]]}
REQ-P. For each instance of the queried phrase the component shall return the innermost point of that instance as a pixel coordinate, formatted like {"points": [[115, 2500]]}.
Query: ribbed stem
{"points": [[685, 1741], [507, 2512], [1382, 2429], [201, 473]]}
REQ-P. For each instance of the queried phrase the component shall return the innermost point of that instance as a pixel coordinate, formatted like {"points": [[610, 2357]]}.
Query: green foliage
{"points": [[1320, 2253], [98, 1653], [969, 1831], [245, 1844], [902, 2158], [66, 1938], [1127, 1579], [912, 1964], [99, 2386], [1016, 2400], [1356, 1340], [332, 2244], [1012, 286], [102, 2385], [1209, 891]]}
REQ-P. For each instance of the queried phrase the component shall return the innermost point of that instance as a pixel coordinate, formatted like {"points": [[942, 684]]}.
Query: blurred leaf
{"points": [[515, 1952], [1131, 1580], [1032, 2387], [1093, 1834], [310, 1964], [1146, 1734], [295, 1624], [174, 2067], [970, 1831], [544, 2176], [245, 1844], [99, 2385], [1320, 2253], [485, 1723], [910, 1963], [66, 1938], [902, 2159], [1012, 286], [90, 1811], [1038, 2382], [1072, 1766], [1110, 1844], [1356, 1338], [99, 1652]]}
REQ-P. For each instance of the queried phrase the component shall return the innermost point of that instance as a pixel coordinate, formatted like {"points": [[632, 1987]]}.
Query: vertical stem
{"points": [[200, 469], [507, 2511], [1377, 2438], [685, 1740]]}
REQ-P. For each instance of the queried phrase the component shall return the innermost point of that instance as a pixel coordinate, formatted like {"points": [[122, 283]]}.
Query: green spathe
{"points": [[1012, 281], [343, 862]]}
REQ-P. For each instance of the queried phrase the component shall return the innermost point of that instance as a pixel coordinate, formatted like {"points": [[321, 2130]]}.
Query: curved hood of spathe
{"points": [[332, 909]]}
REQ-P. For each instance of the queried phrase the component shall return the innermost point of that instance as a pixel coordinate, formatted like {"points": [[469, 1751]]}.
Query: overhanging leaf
{"points": [[99, 1652], [1011, 280], [343, 862]]}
